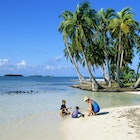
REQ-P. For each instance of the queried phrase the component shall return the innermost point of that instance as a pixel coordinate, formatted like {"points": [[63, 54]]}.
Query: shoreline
{"points": [[88, 87], [111, 123]]}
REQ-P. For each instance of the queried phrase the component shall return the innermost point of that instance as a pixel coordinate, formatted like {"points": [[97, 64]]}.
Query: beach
{"points": [[35, 115], [36, 127], [121, 123], [110, 124]]}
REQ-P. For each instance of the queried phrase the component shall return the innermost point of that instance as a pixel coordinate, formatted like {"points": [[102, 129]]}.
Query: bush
{"points": [[127, 75]]}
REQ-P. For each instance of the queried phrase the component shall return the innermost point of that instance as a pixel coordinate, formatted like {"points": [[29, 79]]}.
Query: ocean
{"points": [[25, 97]]}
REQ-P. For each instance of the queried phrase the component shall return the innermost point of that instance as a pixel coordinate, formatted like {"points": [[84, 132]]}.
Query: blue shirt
{"points": [[75, 114]]}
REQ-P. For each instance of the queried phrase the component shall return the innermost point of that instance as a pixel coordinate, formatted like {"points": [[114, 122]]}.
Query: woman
{"points": [[93, 106]]}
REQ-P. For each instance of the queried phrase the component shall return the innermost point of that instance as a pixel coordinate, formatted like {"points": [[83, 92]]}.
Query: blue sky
{"points": [[30, 43]]}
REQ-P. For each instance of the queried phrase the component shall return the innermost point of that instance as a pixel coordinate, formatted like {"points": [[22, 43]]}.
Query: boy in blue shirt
{"points": [[76, 113]]}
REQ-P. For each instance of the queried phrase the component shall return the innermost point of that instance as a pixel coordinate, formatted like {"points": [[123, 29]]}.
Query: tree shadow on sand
{"points": [[102, 113]]}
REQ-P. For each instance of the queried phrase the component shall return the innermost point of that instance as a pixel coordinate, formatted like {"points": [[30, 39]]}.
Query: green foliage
{"points": [[113, 71], [103, 38], [137, 76], [127, 75]]}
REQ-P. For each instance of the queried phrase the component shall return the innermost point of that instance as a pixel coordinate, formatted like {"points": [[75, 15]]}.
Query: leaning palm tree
{"points": [[120, 26], [104, 17], [78, 29], [83, 22], [66, 33], [75, 59]]}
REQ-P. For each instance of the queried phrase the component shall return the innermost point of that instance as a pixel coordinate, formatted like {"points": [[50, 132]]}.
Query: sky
{"points": [[30, 43]]}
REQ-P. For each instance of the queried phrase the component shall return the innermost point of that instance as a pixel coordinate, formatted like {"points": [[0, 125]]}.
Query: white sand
{"points": [[111, 124]]}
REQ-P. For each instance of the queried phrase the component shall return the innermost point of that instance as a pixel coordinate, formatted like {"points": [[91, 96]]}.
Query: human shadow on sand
{"points": [[102, 113]]}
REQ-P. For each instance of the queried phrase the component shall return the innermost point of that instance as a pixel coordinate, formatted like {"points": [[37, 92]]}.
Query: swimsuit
{"points": [[63, 108], [95, 107]]}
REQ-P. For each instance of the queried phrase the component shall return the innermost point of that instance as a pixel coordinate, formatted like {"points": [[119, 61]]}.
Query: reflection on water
{"points": [[116, 99]]}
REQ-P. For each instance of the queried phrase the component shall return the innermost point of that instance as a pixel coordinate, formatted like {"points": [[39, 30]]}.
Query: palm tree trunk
{"points": [[103, 70], [118, 63], [121, 61], [137, 84], [95, 85], [80, 77], [137, 71], [107, 62]]}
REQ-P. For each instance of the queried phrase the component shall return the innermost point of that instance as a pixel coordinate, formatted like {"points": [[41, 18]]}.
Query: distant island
{"points": [[39, 76], [20, 75], [35, 76], [13, 75]]}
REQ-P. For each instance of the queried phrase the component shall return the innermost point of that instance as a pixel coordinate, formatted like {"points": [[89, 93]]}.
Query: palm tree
{"points": [[104, 18], [64, 29], [76, 59], [78, 28], [121, 26], [83, 23]]}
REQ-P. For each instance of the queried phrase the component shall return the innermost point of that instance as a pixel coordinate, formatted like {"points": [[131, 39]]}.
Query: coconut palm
{"points": [[104, 18], [121, 26], [64, 28], [79, 29], [84, 19]]}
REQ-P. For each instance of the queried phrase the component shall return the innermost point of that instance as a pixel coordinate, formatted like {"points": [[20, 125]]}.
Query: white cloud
{"points": [[3, 62], [58, 58], [22, 63], [55, 60], [47, 67], [53, 67]]}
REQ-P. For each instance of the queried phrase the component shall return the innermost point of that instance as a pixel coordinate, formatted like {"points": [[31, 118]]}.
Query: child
{"points": [[76, 113], [63, 109]]}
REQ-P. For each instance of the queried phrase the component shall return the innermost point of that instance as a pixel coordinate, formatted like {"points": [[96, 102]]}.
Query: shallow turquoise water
{"points": [[47, 95]]}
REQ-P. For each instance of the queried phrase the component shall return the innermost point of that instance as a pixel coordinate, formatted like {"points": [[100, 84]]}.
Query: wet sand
{"points": [[37, 127]]}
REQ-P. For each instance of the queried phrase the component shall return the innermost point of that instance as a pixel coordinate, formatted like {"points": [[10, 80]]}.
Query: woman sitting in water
{"points": [[93, 106]]}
